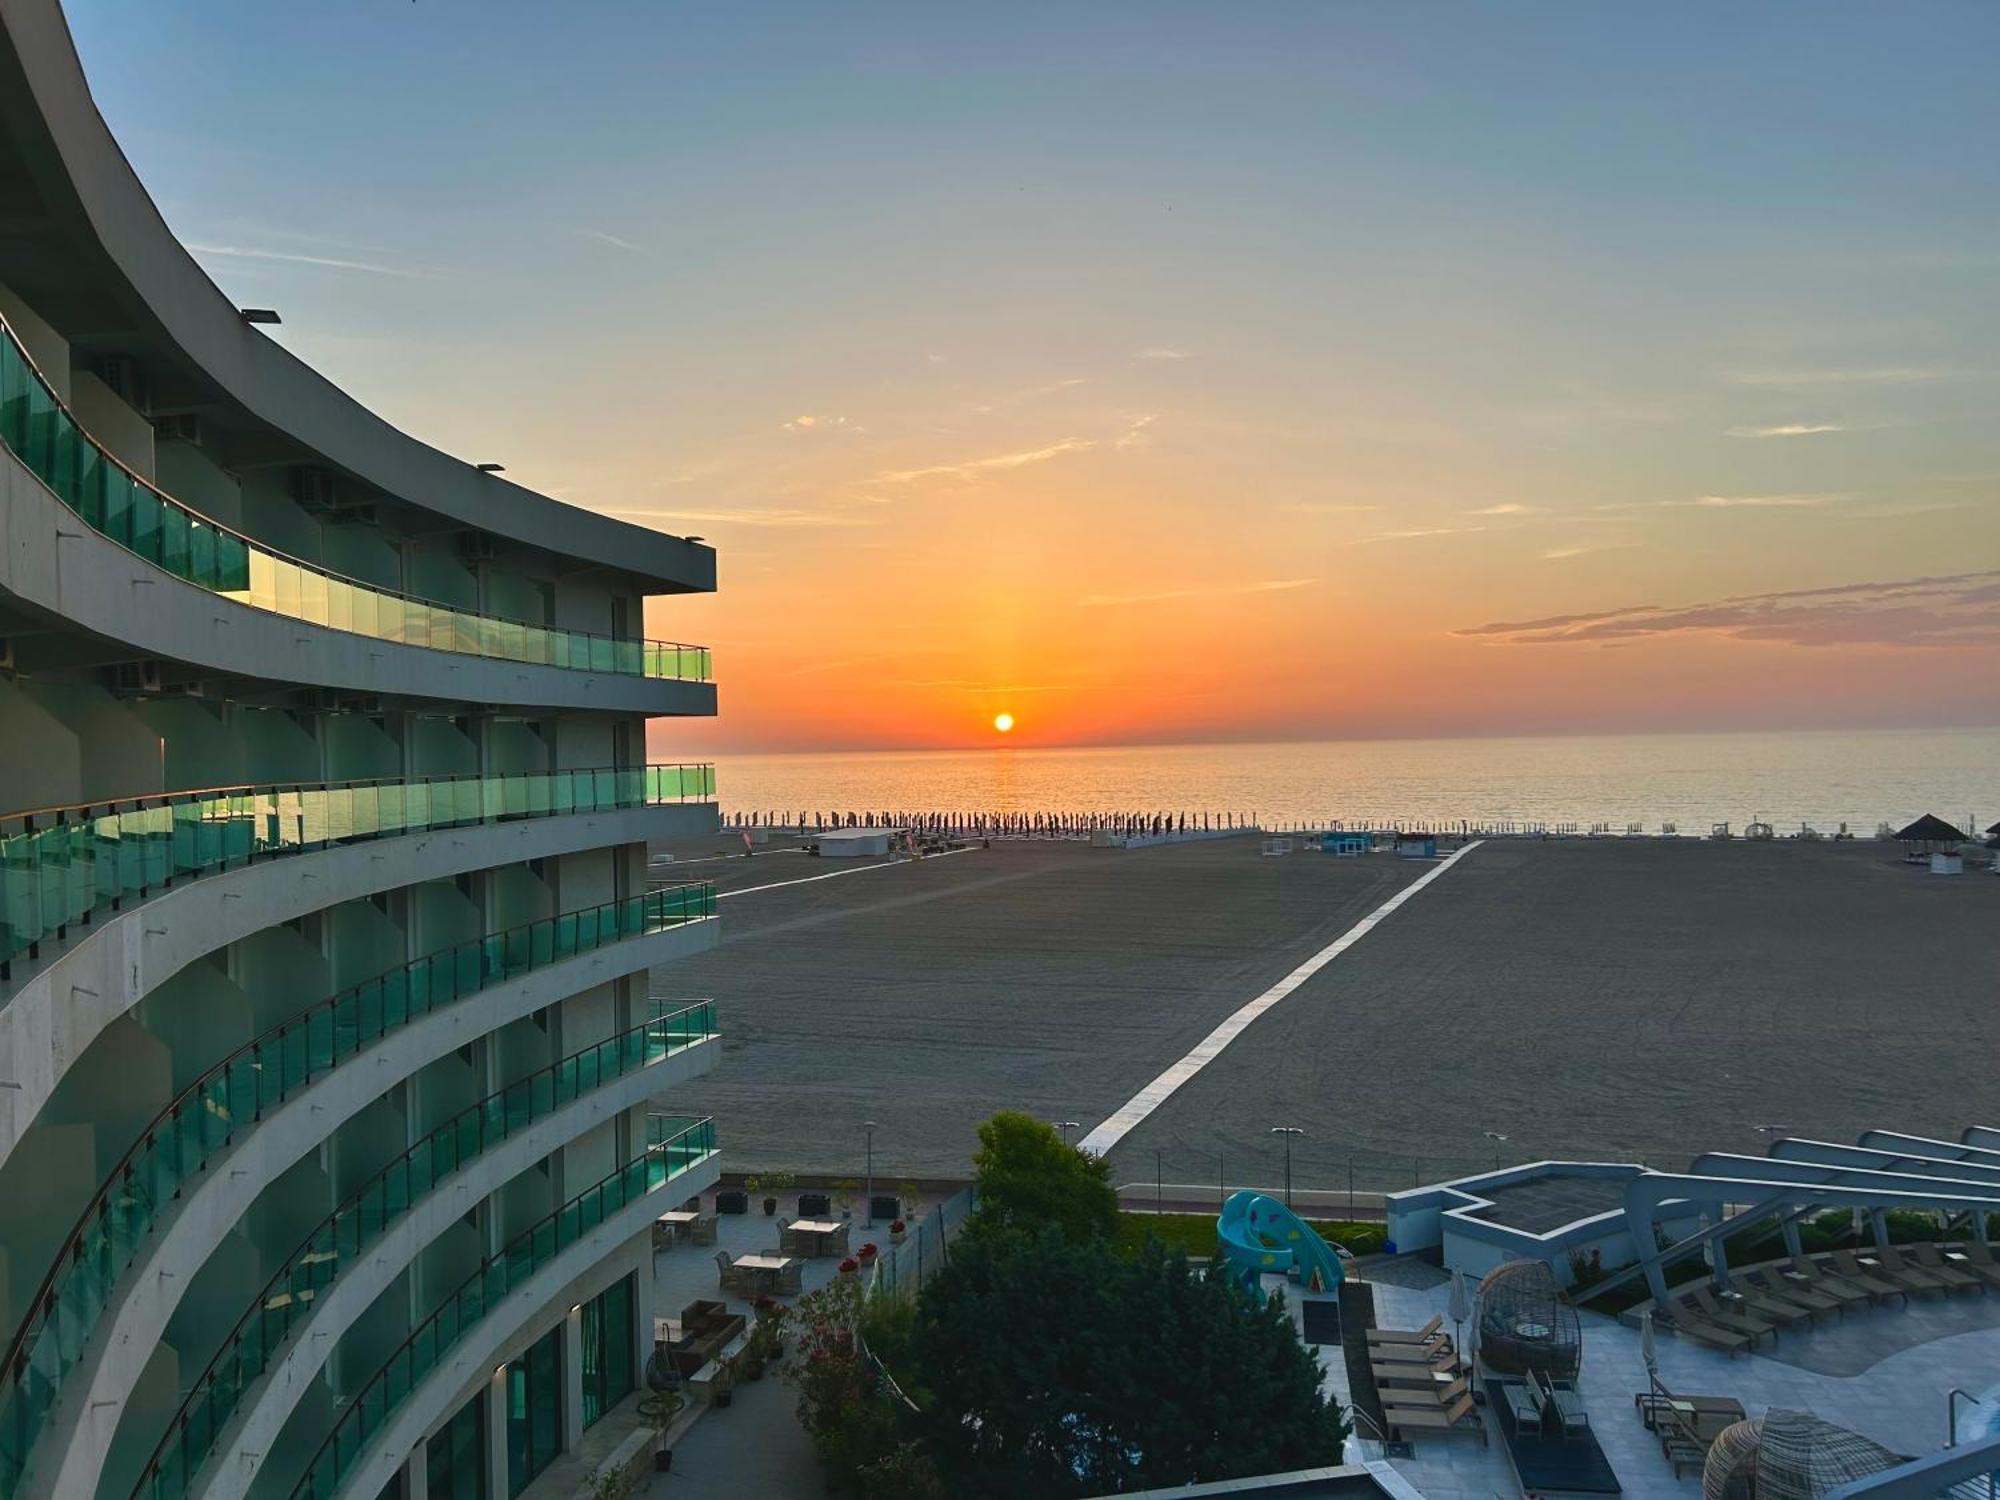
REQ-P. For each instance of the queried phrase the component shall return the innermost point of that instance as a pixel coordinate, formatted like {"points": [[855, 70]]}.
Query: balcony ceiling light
{"points": [[258, 315], [492, 468]]}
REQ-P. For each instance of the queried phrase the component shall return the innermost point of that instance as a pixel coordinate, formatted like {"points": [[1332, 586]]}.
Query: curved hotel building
{"points": [[335, 1102]]}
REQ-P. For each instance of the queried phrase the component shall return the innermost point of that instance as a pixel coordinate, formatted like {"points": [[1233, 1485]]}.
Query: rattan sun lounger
{"points": [[1701, 1301], [1691, 1325], [1908, 1273], [1931, 1258], [1849, 1266], [1978, 1259], [1771, 1282], [1774, 1310], [1822, 1280]]}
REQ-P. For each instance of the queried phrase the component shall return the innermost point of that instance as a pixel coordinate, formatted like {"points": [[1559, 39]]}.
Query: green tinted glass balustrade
{"points": [[481, 1292], [232, 1096], [113, 500], [71, 864], [288, 1298]]}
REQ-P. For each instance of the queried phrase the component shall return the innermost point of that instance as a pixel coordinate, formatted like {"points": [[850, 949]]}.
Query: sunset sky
{"points": [[1160, 372]]}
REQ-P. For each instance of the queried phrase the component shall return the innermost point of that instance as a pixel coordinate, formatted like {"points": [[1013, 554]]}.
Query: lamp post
{"points": [[1065, 1127], [1287, 1131], [870, 1127]]}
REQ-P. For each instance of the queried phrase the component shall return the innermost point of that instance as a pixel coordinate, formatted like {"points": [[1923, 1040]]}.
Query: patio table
{"points": [[673, 1227], [772, 1274], [815, 1237]]}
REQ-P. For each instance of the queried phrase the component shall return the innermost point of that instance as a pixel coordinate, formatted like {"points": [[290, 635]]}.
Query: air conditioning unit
{"points": [[178, 427], [133, 677]]}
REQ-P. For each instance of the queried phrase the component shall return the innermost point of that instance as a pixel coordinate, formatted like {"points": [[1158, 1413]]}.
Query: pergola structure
{"points": [[1886, 1171]]}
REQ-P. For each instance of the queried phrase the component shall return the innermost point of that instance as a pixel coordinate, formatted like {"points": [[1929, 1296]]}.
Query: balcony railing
{"points": [[232, 1097], [67, 865], [338, 1240], [113, 500], [524, 1255]]}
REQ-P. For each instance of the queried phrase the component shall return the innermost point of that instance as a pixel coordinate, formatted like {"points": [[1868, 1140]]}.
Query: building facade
{"points": [[335, 1101]]}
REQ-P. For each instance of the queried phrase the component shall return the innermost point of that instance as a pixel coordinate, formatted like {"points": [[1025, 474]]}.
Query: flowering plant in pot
{"points": [[765, 1307], [868, 1253], [850, 1266], [897, 1231]]}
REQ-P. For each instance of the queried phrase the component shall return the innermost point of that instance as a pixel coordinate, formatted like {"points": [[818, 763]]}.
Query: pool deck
{"points": [[1898, 1399]]}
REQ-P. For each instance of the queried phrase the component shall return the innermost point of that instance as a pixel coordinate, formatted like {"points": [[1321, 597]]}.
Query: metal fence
{"points": [[1321, 1180], [901, 1270]]}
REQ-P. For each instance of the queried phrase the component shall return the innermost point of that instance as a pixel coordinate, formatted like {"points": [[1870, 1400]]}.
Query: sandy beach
{"points": [[1635, 1000]]}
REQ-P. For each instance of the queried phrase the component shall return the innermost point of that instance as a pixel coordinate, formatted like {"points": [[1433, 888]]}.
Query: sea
{"points": [[1819, 779]]}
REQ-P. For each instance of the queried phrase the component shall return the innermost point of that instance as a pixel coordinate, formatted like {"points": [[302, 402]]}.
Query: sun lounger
{"points": [[1931, 1258], [1689, 1324], [1804, 1272], [1774, 1310], [1773, 1283], [1849, 1267], [1907, 1273], [1415, 1355], [1428, 1334], [1978, 1259], [1445, 1419], [1701, 1301], [1563, 1403], [1436, 1396]]}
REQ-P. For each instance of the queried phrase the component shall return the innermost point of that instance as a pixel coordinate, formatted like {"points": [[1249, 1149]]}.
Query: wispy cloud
{"points": [[329, 262], [1789, 429], [822, 422], [612, 240], [1021, 397], [1729, 502], [976, 468], [1414, 533], [1875, 375], [1211, 591], [1961, 609], [770, 516], [1135, 434], [1506, 508], [1326, 508], [1583, 549], [1161, 351]]}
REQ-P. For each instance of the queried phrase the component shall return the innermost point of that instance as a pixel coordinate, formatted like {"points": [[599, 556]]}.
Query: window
{"points": [[608, 1376], [534, 1410], [455, 1460]]}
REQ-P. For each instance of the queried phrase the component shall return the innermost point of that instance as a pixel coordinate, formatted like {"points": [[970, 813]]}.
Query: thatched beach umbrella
{"points": [[1930, 831]]}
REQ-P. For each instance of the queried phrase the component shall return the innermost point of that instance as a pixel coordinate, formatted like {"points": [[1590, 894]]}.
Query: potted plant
{"points": [[659, 1409], [847, 1187], [723, 1390], [868, 1253], [850, 1267], [897, 1231], [770, 1184]]}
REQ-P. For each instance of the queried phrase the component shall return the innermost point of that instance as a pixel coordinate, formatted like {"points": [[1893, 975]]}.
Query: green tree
{"points": [[1028, 1179], [1055, 1368]]}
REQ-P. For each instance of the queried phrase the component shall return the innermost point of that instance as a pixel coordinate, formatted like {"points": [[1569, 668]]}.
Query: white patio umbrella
{"points": [[1648, 1351], [1461, 1309]]}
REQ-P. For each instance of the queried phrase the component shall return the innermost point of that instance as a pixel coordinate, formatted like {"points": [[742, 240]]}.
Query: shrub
{"points": [[844, 1407], [1057, 1368], [1027, 1178]]}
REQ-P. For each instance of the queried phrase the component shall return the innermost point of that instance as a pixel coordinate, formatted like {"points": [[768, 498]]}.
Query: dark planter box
{"points": [[732, 1202], [885, 1206], [813, 1205]]}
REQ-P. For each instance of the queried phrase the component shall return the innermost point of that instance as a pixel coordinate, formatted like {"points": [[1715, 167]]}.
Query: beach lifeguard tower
{"points": [[1345, 844]]}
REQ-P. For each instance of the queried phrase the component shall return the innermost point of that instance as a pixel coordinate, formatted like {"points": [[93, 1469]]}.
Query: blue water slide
{"points": [[1259, 1236]]}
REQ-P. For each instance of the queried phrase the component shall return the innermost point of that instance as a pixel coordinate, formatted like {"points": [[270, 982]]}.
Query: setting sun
{"points": [[1003, 722]]}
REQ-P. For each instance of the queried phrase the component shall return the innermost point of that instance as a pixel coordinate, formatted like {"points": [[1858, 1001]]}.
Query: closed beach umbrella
{"points": [[1461, 1309], [1648, 1351]]}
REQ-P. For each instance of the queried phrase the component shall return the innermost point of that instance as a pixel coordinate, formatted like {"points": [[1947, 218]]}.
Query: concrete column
{"points": [[1878, 1224], [572, 1372], [496, 1432], [416, 1474]]}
